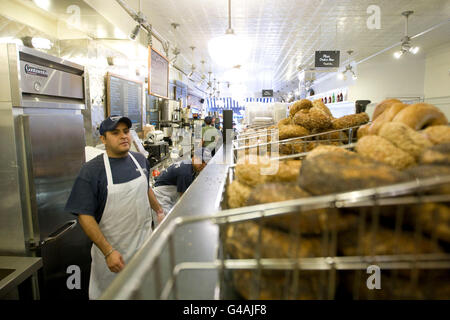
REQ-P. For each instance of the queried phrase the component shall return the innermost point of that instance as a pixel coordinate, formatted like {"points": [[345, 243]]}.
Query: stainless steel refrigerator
{"points": [[42, 132]]}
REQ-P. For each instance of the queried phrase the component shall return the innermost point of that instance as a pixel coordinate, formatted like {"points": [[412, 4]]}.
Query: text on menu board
{"points": [[125, 98], [327, 59], [159, 75]]}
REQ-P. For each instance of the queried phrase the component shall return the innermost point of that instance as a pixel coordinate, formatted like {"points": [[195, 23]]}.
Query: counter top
{"points": [[192, 242], [14, 270]]}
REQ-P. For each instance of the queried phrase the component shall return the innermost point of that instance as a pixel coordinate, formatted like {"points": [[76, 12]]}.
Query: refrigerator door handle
{"points": [[59, 232]]}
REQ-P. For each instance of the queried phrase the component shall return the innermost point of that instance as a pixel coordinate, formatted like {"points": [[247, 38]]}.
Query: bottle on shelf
{"points": [[334, 99]]}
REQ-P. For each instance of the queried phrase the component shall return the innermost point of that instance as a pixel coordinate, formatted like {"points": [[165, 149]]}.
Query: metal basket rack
{"points": [[258, 143], [368, 203]]}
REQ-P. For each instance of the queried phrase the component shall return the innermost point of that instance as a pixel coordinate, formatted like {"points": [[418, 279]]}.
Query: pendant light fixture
{"points": [[349, 68], [406, 46], [229, 50], [192, 66]]}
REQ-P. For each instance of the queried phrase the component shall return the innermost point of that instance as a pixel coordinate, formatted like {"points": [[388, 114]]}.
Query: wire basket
{"points": [[395, 245], [329, 275], [266, 143]]}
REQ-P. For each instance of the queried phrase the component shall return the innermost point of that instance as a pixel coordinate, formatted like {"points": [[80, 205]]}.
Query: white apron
{"points": [[125, 223], [167, 196]]}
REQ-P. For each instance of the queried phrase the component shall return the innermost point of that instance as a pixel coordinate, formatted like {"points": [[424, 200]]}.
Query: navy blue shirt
{"points": [[90, 189], [180, 174]]}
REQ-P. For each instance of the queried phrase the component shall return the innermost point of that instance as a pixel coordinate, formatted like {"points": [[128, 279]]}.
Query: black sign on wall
{"points": [[267, 93], [327, 59]]}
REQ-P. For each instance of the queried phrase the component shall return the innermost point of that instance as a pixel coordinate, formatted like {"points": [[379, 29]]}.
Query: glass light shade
{"points": [[414, 50], [43, 4], [398, 54], [229, 50], [354, 77], [340, 76], [41, 43]]}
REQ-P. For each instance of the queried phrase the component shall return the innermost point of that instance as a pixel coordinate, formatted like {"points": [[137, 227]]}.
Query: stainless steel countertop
{"points": [[23, 268], [192, 242]]}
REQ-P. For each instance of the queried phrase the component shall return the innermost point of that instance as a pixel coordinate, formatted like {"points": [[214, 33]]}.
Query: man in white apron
{"points": [[175, 180], [112, 199]]}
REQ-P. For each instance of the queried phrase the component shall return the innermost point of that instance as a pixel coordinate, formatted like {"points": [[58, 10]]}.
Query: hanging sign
{"points": [[267, 93], [327, 59]]}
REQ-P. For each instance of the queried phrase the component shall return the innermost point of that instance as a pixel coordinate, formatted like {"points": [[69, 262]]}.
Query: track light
{"points": [[135, 32], [406, 41], [348, 68], [398, 54]]}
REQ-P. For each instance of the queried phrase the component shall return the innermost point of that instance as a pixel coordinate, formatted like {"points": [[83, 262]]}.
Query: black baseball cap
{"points": [[111, 123]]}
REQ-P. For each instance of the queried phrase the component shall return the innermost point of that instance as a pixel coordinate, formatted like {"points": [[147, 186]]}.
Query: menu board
{"points": [[124, 98], [158, 83]]}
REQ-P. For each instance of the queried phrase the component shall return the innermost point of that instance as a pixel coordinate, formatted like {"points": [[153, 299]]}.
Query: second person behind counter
{"points": [[177, 178]]}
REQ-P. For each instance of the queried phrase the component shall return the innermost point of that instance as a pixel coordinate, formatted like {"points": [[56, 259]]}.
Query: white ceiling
{"points": [[283, 34]]}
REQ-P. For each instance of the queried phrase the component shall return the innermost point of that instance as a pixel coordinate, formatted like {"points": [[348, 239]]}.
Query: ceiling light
{"points": [[398, 54], [41, 43], [348, 68], [414, 50], [43, 4], [135, 32], [406, 41], [229, 49]]}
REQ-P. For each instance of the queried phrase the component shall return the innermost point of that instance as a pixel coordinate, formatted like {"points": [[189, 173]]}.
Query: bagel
{"points": [[382, 150], [405, 138], [437, 134], [314, 119], [284, 122], [351, 120], [363, 131], [385, 117], [299, 105], [420, 116], [382, 106], [319, 104], [291, 131]]}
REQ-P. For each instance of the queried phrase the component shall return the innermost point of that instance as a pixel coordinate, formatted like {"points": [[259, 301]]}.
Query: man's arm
{"points": [[155, 205], [114, 259]]}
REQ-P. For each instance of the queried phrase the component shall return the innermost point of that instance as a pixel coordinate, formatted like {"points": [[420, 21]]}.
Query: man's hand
{"points": [[115, 261], [160, 215]]}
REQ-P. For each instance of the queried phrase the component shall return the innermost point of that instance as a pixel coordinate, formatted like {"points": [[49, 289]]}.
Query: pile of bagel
{"points": [[311, 117], [399, 134]]}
